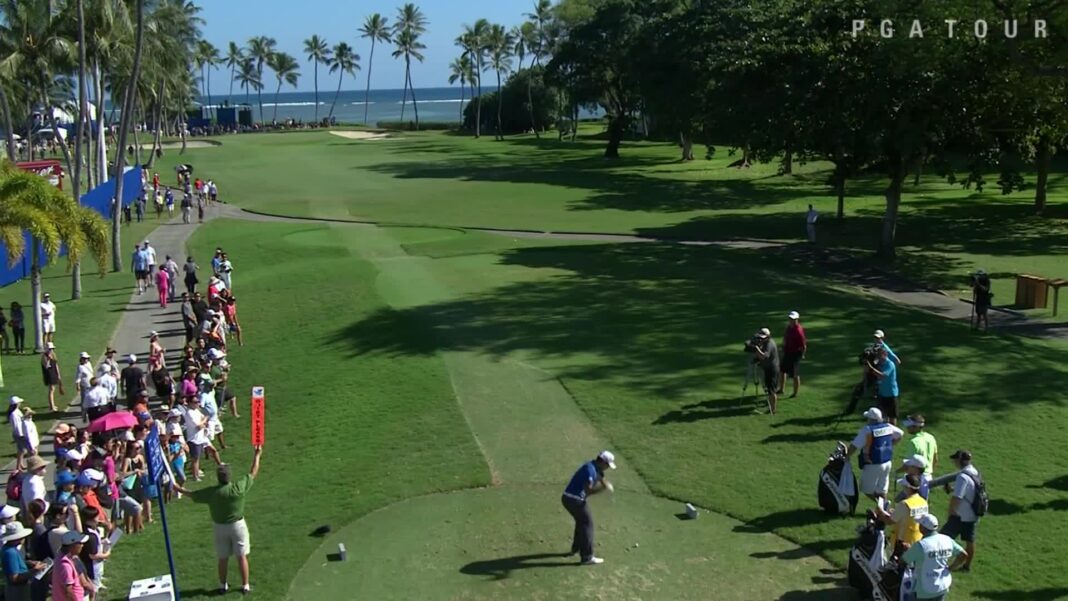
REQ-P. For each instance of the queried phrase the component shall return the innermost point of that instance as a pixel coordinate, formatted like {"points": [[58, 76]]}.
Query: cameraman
{"points": [[886, 372], [981, 297], [767, 354]]}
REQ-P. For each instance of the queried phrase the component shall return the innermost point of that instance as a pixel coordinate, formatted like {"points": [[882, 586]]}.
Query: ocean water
{"points": [[435, 104]]}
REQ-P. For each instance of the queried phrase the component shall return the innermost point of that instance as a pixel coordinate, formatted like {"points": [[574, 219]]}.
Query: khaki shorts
{"points": [[232, 539]]}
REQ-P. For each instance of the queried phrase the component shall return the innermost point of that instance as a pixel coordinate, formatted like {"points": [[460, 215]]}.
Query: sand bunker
{"points": [[360, 135], [188, 144]]}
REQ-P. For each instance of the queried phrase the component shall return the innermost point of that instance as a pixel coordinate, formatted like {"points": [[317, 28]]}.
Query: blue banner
{"points": [[154, 454]]}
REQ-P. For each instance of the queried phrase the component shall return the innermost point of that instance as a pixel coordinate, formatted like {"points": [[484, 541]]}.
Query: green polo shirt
{"points": [[922, 443], [226, 502]]}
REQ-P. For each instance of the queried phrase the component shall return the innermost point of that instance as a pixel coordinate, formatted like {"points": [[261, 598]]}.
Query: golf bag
{"points": [[870, 572], [837, 489]]}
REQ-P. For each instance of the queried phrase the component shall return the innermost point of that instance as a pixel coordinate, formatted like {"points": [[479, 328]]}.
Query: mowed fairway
{"points": [[431, 390]]}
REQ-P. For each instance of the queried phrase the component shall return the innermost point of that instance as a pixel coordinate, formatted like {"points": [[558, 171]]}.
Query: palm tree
{"points": [[473, 41], [376, 29], [344, 61], [83, 129], [460, 70], [286, 70], [53, 219], [318, 52], [249, 78], [124, 128], [410, 24], [499, 42], [260, 48], [207, 56], [234, 55]]}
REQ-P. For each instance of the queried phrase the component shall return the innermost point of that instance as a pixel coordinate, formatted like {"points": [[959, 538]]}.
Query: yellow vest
{"points": [[906, 529]]}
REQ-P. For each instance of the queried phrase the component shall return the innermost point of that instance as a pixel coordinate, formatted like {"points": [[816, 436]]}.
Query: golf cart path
{"points": [[846, 269], [533, 435]]}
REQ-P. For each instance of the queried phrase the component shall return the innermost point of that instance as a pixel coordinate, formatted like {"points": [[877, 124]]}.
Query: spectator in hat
{"points": [[156, 352], [82, 375], [914, 465], [587, 480], [962, 520], [109, 382], [904, 515], [981, 296], [109, 359], [933, 557], [226, 503], [64, 492], [196, 435], [68, 582], [150, 254], [93, 553], [132, 380], [51, 375], [921, 442], [18, 434], [18, 572], [794, 347], [875, 441], [97, 400], [85, 496], [8, 513], [18, 328], [880, 341], [189, 318], [887, 388], [48, 318], [29, 431], [33, 484], [767, 354]]}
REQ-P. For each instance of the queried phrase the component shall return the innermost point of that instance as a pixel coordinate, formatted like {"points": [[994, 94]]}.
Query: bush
{"points": [[410, 125], [515, 111]]}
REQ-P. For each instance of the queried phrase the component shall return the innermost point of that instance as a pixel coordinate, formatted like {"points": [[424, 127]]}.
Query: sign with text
{"points": [[154, 452], [258, 411]]}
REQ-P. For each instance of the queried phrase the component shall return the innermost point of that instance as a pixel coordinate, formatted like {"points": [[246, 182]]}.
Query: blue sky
{"points": [[292, 22]]}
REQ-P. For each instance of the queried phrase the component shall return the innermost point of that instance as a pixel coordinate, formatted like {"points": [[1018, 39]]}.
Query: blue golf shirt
{"points": [[888, 383], [587, 474]]}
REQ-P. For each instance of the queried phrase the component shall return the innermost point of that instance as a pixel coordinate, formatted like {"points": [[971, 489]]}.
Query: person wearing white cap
{"points": [[588, 479], [875, 441], [914, 465], [767, 354], [933, 557], [880, 341], [8, 513], [96, 400], [29, 431], [51, 375], [82, 375], [132, 381], [794, 347], [921, 442], [18, 436], [68, 581], [904, 514], [109, 382], [48, 318], [886, 388], [150, 256]]}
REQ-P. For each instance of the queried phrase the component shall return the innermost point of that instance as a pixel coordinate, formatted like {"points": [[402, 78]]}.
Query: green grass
{"points": [[444, 179], [401, 362]]}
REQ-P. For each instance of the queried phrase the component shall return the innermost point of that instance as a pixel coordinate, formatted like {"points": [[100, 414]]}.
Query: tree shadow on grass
{"points": [[499, 569], [838, 594], [710, 409]]}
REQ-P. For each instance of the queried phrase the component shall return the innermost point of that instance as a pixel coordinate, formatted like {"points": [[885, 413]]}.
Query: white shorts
{"points": [[875, 478], [49, 325], [232, 540], [214, 427]]}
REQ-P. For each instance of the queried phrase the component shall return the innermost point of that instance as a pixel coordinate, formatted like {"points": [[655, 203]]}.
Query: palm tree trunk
{"points": [[478, 101], [60, 141], [233, 71], [530, 97], [367, 90], [9, 133], [120, 156], [316, 91], [461, 103], [404, 94], [136, 129], [415, 104], [101, 137], [259, 97], [274, 117], [35, 291], [340, 76], [210, 109], [76, 184], [500, 97]]}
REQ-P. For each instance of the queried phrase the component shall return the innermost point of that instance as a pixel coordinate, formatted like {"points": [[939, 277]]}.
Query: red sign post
{"points": [[258, 415]]}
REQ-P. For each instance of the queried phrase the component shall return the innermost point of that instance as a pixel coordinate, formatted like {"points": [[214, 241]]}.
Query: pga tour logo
{"points": [[979, 28]]}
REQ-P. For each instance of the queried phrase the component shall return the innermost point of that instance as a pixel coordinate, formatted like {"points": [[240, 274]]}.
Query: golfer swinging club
{"points": [[588, 480]]}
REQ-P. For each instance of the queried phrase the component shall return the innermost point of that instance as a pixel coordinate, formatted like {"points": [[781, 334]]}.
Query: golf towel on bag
{"points": [[837, 487]]}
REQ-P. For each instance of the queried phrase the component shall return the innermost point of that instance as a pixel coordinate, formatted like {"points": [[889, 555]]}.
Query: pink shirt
{"points": [[65, 574], [163, 279]]}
